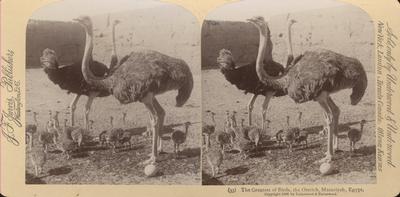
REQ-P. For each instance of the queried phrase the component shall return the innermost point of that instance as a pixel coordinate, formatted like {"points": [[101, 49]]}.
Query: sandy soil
{"points": [[272, 164], [93, 165]]}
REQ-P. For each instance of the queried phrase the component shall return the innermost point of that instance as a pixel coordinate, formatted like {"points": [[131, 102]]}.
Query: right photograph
{"points": [[288, 94]]}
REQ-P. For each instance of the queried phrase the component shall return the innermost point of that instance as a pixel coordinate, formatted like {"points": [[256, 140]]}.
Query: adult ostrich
{"points": [[245, 77], [315, 76], [70, 78], [141, 77]]}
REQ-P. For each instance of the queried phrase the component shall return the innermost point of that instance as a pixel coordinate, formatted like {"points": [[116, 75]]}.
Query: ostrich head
{"points": [[50, 124], [259, 22], [85, 22], [116, 22], [362, 123], [225, 60], [49, 59], [187, 124], [289, 20]]}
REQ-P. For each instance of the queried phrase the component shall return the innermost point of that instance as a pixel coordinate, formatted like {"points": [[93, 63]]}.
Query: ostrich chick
{"points": [[55, 119], [77, 136], [104, 138], [243, 146], [231, 126], [115, 135], [355, 135], [223, 139], [289, 136], [215, 158], [31, 129], [126, 137], [255, 135], [66, 143], [208, 129], [38, 157], [52, 128], [179, 137], [48, 137], [278, 137], [301, 135]]}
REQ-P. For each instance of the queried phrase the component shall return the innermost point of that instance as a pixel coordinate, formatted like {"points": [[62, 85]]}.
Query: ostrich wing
{"points": [[148, 71], [115, 64], [321, 70], [70, 77]]}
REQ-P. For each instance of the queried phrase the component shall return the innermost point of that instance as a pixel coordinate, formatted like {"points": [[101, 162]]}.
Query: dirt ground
{"points": [[273, 164], [94, 165]]}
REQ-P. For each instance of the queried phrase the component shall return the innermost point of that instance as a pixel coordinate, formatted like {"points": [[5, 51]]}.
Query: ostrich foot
{"points": [[326, 159], [338, 151], [152, 160]]}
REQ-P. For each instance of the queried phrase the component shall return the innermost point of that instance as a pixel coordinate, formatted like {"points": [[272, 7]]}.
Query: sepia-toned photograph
{"points": [[113, 94], [288, 94]]}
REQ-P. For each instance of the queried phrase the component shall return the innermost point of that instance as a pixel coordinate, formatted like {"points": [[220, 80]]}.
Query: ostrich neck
{"points": [[287, 122], [300, 120], [114, 51], [90, 78], [31, 141], [278, 82], [35, 119], [289, 40], [112, 124], [186, 129], [213, 119]]}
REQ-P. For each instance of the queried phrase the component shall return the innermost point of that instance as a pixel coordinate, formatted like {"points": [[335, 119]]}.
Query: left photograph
{"points": [[113, 94]]}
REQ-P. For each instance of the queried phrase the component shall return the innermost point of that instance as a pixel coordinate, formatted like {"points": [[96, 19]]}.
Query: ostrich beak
{"points": [[250, 20]]}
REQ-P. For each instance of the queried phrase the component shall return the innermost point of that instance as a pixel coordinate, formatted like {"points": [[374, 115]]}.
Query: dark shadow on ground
{"points": [[166, 130], [32, 179], [190, 152], [60, 170], [237, 170], [344, 127], [209, 180]]}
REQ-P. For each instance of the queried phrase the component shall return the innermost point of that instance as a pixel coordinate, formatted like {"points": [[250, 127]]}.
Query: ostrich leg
{"points": [[268, 97], [156, 113], [324, 130], [92, 96], [250, 106], [72, 108], [161, 116], [336, 113], [333, 114]]}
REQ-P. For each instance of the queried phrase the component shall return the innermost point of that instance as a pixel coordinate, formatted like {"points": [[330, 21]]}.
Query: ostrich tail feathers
{"points": [[359, 88], [184, 92]]}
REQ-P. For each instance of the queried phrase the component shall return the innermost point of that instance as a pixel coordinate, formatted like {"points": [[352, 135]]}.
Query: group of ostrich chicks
{"points": [[244, 138], [68, 139]]}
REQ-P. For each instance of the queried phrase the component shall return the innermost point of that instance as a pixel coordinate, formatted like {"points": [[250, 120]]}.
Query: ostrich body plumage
{"points": [[325, 70], [245, 77], [150, 72], [178, 137], [70, 77]]}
